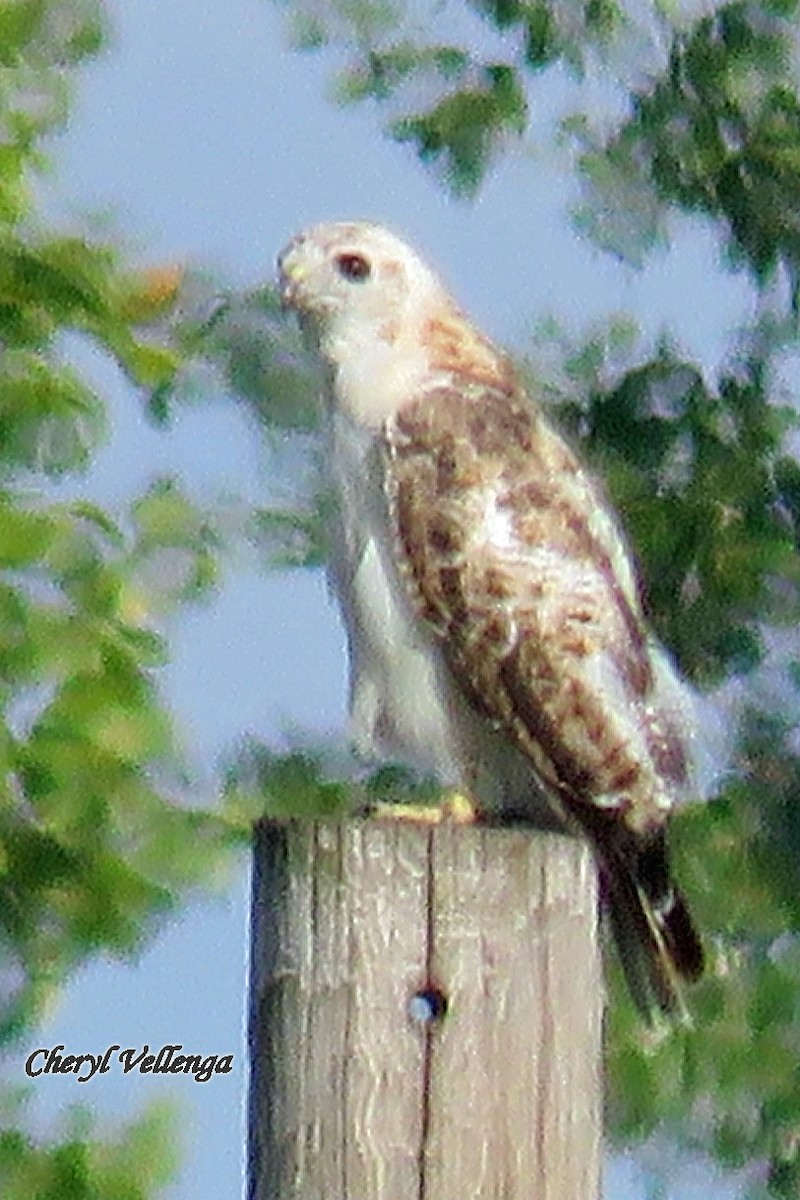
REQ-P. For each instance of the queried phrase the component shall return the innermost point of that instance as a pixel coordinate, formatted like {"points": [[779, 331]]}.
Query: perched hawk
{"points": [[495, 629]]}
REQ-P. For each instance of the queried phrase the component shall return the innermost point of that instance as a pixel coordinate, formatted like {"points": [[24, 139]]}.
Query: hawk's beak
{"points": [[292, 273]]}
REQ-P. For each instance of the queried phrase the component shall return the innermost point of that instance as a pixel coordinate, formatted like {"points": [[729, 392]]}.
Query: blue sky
{"points": [[211, 143]]}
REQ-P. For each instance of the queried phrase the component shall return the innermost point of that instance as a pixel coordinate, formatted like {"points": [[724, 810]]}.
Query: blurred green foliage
{"points": [[707, 118], [89, 824], [132, 1166], [463, 127], [703, 479], [97, 840]]}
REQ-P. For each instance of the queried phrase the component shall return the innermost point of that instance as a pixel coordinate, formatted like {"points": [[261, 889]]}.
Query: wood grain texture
{"points": [[350, 1097]]}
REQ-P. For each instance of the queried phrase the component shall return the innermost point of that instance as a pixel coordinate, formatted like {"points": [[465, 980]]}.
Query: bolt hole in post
{"points": [[428, 1005]]}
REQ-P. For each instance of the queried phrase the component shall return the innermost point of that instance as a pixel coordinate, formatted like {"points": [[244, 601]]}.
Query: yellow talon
{"points": [[459, 808], [455, 806]]}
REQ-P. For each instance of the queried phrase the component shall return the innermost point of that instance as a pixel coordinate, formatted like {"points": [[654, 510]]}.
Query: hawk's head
{"points": [[347, 274], [380, 319]]}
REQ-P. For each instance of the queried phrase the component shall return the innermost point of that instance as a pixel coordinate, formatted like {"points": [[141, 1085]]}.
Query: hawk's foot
{"points": [[454, 806]]}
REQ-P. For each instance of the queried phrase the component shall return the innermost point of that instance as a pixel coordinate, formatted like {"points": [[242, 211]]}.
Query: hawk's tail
{"points": [[658, 944]]}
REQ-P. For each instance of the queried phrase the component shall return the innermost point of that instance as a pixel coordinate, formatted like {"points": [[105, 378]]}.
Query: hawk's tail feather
{"points": [[658, 944]]}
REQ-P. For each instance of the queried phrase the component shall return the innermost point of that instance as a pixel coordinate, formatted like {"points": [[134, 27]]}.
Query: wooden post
{"points": [[359, 931]]}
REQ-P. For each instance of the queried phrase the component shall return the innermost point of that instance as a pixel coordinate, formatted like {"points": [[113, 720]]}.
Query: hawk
{"points": [[496, 633]]}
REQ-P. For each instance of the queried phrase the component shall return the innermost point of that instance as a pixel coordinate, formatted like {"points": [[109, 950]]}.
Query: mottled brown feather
{"points": [[456, 346], [517, 651], [445, 451]]}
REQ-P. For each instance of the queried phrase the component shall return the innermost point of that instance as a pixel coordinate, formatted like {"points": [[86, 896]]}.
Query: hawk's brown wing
{"points": [[511, 555]]}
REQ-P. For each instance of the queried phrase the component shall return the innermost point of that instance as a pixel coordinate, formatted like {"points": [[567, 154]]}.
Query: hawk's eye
{"points": [[353, 266]]}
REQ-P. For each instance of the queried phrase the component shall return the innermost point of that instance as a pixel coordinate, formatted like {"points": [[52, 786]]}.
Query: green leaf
{"points": [[24, 535], [150, 366], [292, 538], [19, 24], [464, 128], [49, 419]]}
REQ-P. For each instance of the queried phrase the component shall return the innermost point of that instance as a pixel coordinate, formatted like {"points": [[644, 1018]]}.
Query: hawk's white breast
{"points": [[404, 704], [401, 699]]}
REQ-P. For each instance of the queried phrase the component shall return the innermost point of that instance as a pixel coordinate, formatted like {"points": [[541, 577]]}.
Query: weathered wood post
{"points": [[353, 1094]]}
